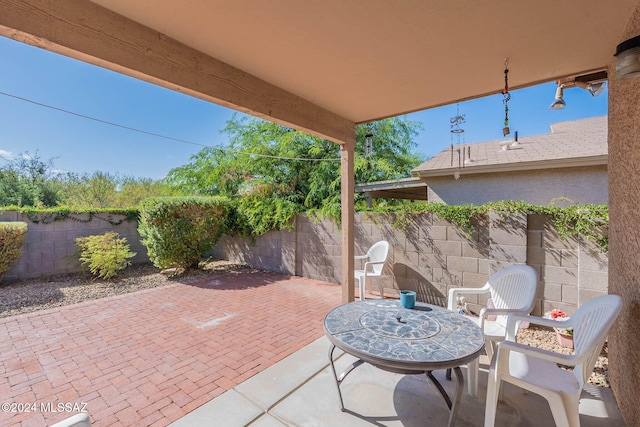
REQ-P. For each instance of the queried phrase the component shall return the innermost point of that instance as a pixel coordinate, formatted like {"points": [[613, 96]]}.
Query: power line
{"points": [[62, 110]]}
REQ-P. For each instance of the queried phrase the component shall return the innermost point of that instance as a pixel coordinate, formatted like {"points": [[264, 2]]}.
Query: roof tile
{"points": [[567, 140]]}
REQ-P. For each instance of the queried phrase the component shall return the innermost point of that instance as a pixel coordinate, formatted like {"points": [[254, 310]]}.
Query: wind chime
{"points": [[368, 147], [458, 133], [507, 97]]}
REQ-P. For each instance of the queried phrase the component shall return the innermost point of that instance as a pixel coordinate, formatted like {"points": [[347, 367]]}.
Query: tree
{"points": [[27, 180], [105, 190], [96, 190], [264, 163], [133, 190]]}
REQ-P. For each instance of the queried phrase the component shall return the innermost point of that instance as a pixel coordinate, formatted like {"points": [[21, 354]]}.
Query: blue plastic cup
{"points": [[408, 299]]}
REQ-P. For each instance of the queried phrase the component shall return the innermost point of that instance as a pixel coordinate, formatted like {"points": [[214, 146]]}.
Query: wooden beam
{"points": [[347, 152], [86, 31]]}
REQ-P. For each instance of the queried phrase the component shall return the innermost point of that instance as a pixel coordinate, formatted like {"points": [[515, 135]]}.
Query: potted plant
{"points": [[564, 335]]}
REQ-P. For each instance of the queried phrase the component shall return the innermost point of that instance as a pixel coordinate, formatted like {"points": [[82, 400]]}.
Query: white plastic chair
{"points": [[78, 420], [536, 369], [376, 256], [512, 290]]}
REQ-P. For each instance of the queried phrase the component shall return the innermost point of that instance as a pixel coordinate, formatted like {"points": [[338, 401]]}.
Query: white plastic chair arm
{"points": [[497, 312], [361, 257], [367, 264], [515, 317], [505, 347], [454, 292]]}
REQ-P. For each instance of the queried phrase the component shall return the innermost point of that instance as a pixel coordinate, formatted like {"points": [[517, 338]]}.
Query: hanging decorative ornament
{"points": [[507, 97], [368, 147], [368, 144], [456, 130], [456, 121]]}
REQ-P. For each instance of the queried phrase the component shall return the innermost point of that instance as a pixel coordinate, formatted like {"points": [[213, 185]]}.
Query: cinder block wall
{"points": [[572, 271], [427, 254], [430, 255], [50, 248]]}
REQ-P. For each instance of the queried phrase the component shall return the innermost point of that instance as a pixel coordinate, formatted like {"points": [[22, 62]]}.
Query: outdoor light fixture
{"points": [[558, 103], [594, 89], [594, 83], [628, 59]]}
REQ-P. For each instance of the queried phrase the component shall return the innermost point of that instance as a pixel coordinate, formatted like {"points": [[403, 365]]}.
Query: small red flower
{"points": [[555, 313]]}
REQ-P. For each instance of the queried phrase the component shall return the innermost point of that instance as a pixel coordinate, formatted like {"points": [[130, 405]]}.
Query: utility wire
{"points": [[157, 134]]}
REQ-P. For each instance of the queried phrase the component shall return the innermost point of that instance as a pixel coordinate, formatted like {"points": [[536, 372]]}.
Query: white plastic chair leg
{"points": [[473, 368], [493, 388], [501, 394], [565, 410], [361, 284], [489, 348]]}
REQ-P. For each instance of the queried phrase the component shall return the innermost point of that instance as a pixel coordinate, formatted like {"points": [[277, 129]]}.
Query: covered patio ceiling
{"points": [[334, 60], [366, 60]]}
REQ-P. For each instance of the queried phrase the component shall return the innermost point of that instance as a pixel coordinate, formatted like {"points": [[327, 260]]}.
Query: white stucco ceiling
{"points": [[370, 59]]}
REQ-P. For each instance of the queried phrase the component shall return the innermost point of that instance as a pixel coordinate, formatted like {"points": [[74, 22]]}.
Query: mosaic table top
{"points": [[391, 337]]}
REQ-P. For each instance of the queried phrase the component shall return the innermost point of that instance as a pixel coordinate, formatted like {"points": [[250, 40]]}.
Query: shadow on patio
{"points": [[300, 391]]}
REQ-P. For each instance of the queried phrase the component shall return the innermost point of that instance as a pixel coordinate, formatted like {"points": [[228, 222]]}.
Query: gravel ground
{"points": [[55, 291], [40, 294]]}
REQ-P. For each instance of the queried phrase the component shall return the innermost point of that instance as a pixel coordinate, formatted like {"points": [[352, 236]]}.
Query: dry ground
{"points": [[40, 294]]}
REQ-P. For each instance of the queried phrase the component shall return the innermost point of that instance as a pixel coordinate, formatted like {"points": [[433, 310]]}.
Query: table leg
{"points": [[453, 406], [342, 376], [456, 401], [441, 389]]}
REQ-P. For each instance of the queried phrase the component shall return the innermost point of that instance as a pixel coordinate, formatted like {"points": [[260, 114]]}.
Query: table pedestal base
{"points": [[453, 406]]}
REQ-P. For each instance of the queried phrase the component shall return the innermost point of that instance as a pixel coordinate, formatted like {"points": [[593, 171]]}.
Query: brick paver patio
{"points": [[148, 358]]}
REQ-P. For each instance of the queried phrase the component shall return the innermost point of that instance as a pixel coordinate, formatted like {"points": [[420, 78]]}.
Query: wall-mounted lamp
{"points": [[628, 59], [558, 103]]}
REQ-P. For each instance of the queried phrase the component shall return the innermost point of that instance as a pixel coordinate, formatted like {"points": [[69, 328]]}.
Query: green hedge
{"points": [[178, 231], [12, 235], [62, 213]]}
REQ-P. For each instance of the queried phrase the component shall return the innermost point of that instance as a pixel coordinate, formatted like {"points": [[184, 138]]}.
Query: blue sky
{"points": [[84, 146]]}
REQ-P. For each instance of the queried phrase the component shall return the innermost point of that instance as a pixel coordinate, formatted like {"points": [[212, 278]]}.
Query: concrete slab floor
{"points": [[300, 391]]}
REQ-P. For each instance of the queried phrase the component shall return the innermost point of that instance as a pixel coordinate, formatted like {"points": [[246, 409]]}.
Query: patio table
{"points": [[404, 341]]}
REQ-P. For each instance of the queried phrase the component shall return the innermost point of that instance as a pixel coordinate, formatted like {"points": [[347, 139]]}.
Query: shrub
{"points": [[12, 235], [254, 215], [178, 231], [104, 254]]}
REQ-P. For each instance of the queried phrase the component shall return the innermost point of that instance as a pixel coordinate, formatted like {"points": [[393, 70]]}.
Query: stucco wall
{"points": [[624, 232], [581, 185]]}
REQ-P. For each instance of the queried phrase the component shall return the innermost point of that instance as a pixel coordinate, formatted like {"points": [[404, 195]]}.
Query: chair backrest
{"points": [[591, 323], [513, 288], [378, 253]]}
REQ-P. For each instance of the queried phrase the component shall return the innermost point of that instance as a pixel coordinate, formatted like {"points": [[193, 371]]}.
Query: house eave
{"points": [[516, 166]]}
